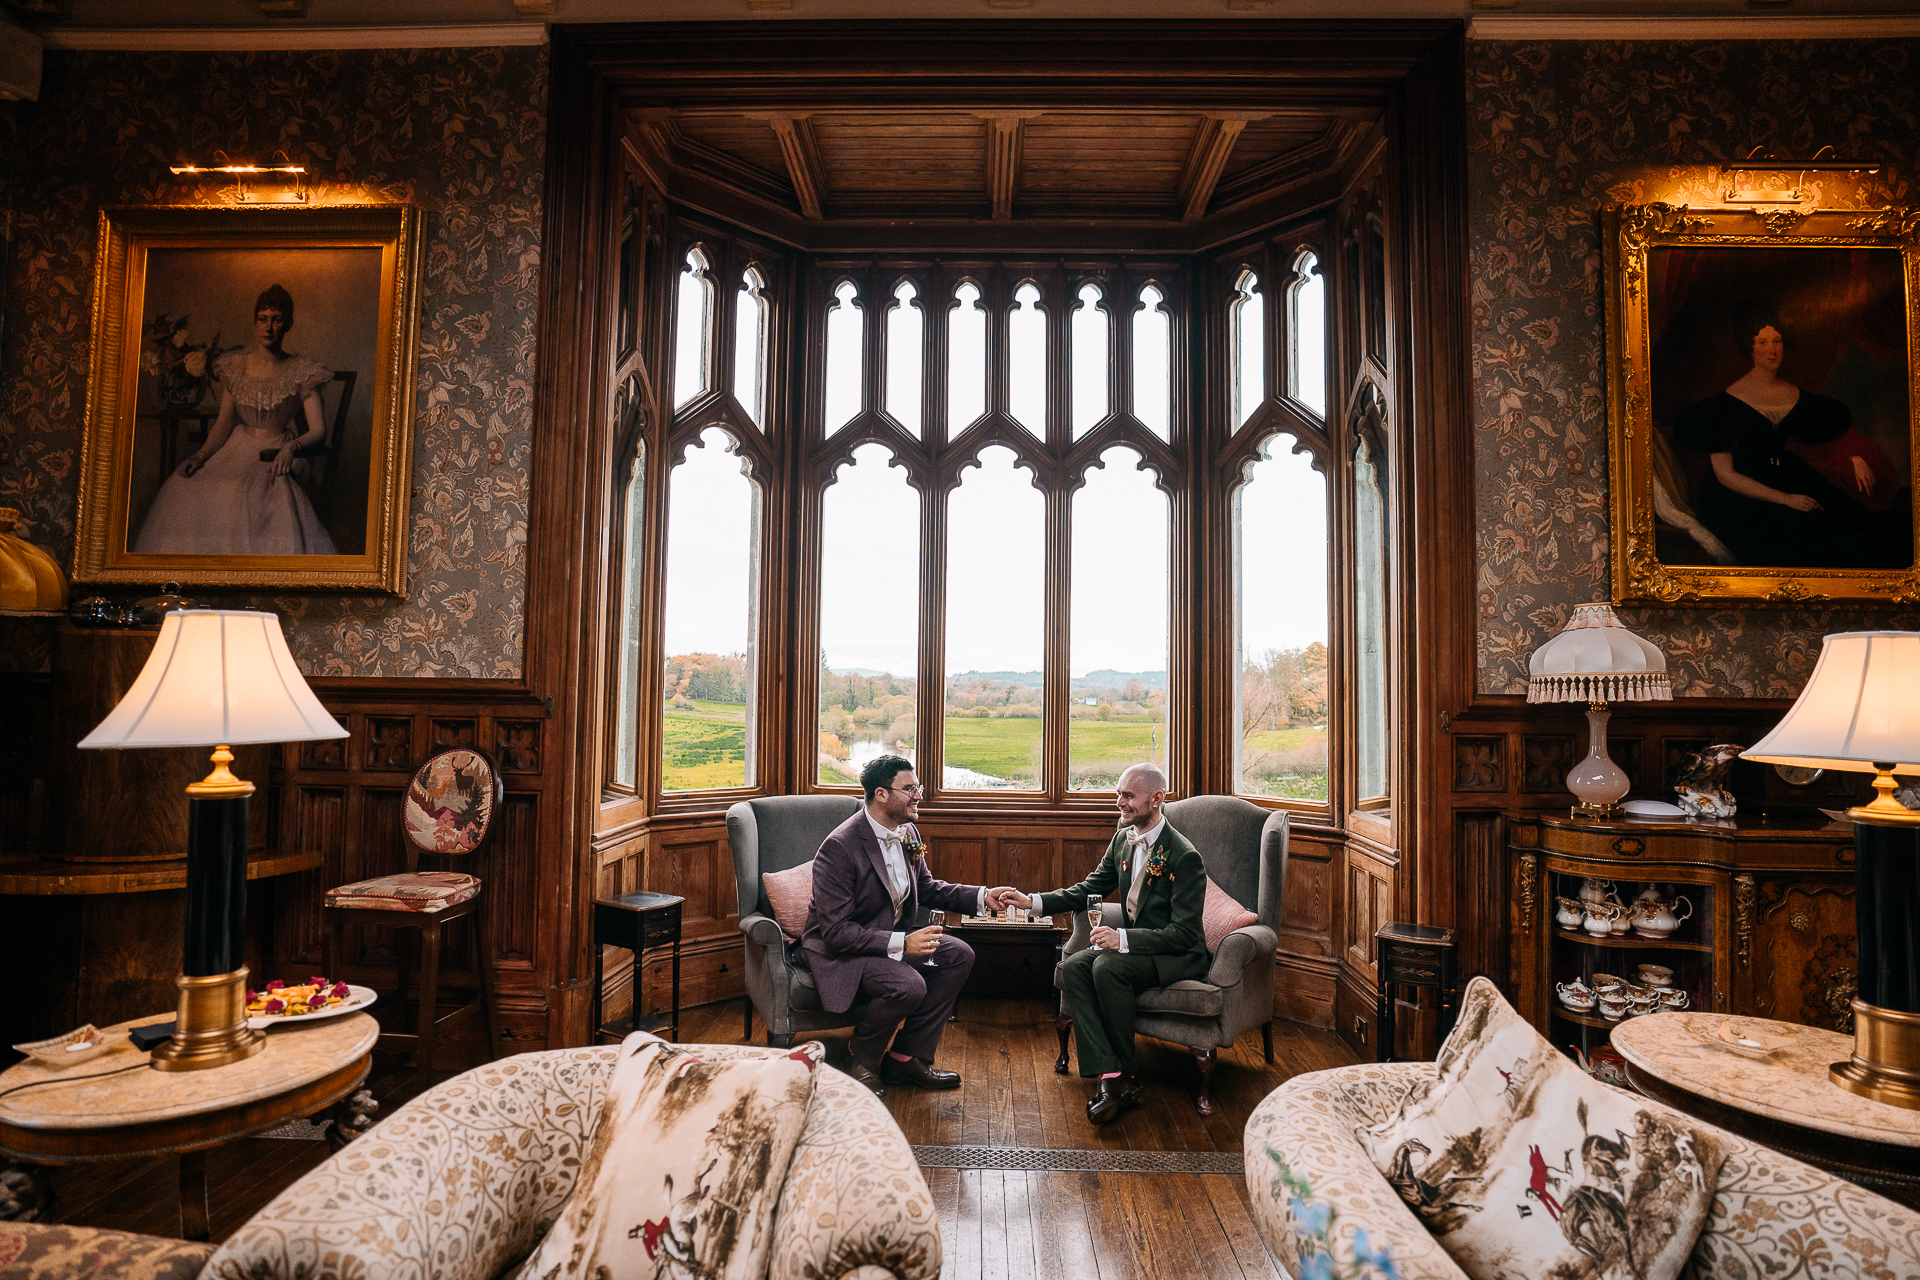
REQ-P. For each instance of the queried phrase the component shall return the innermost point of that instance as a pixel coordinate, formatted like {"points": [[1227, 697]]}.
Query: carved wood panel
{"points": [[1306, 912], [1805, 951], [1479, 764], [1026, 864], [957, 861], [390, 743], [685, 867]]}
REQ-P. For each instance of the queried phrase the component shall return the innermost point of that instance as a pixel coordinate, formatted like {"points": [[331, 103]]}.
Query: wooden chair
{"points": [[325, 456], [449, 810]]}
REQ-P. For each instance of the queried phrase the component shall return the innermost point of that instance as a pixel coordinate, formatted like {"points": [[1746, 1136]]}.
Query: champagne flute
{"points": [[1095, 910]]}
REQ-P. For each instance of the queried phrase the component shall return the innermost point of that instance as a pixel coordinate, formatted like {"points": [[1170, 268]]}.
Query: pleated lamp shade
{"points": [[1860, 708], [216, 676], [1596, 659]]}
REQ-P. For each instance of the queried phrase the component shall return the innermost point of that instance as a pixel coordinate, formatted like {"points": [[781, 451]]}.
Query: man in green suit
{"points": [[1155, 888]]}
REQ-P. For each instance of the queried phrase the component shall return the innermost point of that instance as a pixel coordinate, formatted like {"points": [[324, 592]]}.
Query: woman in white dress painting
{"points": [[223, 500]]}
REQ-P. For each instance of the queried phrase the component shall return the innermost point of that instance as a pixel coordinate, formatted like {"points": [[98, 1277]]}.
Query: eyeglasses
{"points": [[913, 792]]}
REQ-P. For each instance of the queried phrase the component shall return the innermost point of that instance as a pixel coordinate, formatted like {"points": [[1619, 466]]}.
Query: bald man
{"points": [[1155, 887]]}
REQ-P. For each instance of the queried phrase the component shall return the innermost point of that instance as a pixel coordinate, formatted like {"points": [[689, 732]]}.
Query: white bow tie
{"points": [[895, 838], [1135, 840]]}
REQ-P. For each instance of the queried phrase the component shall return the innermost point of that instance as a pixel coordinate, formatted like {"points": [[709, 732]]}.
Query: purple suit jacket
{"points": [[852, 912]]}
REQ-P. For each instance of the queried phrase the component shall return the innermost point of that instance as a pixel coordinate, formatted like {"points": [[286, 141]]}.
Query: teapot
{"points": [[1575, 995], [1658, 917], [1597, 890]]}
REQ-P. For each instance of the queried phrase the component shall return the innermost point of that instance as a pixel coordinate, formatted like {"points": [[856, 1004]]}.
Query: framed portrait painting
{"points": [[1763, 403], [250, 404]]}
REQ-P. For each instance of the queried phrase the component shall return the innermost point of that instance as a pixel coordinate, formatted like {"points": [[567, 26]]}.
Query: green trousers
{"points": [[1100, 986]]}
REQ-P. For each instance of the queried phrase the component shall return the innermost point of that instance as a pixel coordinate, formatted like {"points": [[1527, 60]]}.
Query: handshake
{"points": [[1002, 898]]}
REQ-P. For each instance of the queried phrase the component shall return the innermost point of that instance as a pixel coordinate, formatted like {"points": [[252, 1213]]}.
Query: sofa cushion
{"points": [[790, 894], [1522, 1165], [43, 1251], [1221, 915], [685, 1167], [1189, 996]]}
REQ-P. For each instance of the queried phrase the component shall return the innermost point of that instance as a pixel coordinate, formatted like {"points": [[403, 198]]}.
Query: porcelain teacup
{"points": [[1600, 917], [1603, 983], [1613, 1007], [1674, 998], [1571, 911], [1575, 995], [1656, 975]]}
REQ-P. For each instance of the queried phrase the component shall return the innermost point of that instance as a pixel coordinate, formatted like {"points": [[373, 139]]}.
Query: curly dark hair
{"points": [[274, 298], [1749, 318], [881, 772]]}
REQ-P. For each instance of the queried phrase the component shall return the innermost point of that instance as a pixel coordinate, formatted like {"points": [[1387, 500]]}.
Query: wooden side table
{"points": [[635, 921], [98, 1110], [1783, 1100], [1010, 959], [1414, 955]]}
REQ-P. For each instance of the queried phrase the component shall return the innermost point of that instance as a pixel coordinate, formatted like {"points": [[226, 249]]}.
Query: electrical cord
{"points": [[98, 1075]]}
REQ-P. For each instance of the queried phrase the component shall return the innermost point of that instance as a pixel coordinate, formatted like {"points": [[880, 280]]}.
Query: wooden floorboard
{"points": [[1013, 1224]]}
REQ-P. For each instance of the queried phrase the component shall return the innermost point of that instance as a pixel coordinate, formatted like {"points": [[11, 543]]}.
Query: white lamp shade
{"points": [[1596, 659], [216, 676], [1861, 708]]}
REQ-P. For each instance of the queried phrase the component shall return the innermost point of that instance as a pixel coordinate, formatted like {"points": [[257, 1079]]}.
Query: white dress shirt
{"points": [[1141, 848], [893, 853]]}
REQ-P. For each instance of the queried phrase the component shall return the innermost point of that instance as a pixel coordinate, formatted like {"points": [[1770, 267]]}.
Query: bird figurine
{"points": [[1702, 782]]}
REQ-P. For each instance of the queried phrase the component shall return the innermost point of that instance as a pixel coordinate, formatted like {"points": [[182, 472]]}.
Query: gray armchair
{"points": [[776, 834], [1245, 849]]}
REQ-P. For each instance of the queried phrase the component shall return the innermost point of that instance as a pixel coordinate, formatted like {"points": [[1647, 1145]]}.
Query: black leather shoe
{"points": [[1115, 1095], [916, 1071], [868, 1077]]}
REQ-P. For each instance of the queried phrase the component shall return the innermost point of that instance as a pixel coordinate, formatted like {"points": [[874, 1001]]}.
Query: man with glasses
{"points": [[867, 938]]}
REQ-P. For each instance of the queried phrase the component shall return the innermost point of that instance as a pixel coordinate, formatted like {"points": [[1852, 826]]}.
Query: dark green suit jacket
{"points": [[1168, 924]]}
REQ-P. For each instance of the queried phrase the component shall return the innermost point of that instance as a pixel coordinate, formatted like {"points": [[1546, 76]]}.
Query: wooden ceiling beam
{"points": [[804, 169], [1212, 144], [1005, 131]]}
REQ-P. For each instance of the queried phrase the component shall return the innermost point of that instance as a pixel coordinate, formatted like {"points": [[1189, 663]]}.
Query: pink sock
{"points": [[900, 1057], [1110, 1075]]}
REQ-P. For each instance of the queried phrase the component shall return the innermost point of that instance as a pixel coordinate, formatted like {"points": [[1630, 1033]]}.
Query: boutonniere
{"points": [[1157, 865], [912, 845]]}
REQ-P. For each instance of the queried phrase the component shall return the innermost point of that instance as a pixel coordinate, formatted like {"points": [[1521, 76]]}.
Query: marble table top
{"points": [[295, 1055], [1790, 1085]]}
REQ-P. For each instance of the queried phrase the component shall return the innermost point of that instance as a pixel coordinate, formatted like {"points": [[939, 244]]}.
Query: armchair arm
{"points": [[1081, 937], [1239, 949], [764, 931]]}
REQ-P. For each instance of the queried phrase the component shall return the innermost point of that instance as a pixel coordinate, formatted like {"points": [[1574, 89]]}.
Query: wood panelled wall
{"points": [[344, 797]]}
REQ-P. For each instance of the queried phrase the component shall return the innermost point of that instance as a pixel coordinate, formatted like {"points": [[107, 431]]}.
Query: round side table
{"points": [[97, 1111], [1783, 1100]]}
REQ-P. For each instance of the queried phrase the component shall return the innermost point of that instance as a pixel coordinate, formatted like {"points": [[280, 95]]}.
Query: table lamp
{"points": [[216, 677], [1861, 711], [1595, 660]]}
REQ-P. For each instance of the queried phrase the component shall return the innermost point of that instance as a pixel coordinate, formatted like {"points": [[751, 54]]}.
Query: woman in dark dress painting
{"points": [[1793, 484]]}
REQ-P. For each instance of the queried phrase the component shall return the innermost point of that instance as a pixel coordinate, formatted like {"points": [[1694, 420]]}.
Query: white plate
{"points": [[357, 998]]}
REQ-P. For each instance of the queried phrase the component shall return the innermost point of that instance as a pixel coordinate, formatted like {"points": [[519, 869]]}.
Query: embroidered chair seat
{"points": [[407, 891]]}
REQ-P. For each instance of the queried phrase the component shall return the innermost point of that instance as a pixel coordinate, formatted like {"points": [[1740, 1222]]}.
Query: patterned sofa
{"points": [[461, 1183], [1327, 1211]]}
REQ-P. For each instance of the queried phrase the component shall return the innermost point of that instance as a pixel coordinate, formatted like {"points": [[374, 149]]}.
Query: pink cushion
{"points": [[790, 894], [1222, 915], [408, 891]]}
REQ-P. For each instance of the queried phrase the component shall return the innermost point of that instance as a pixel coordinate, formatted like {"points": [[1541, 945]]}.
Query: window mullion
{"points": [[1055, 682]]}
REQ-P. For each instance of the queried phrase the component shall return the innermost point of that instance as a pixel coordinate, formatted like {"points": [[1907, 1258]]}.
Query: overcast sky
{"points": [[871, 554]]}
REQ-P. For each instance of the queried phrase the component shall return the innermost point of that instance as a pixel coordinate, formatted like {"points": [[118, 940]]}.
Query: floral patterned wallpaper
{"points": [[1556, 130], [459, 132]]}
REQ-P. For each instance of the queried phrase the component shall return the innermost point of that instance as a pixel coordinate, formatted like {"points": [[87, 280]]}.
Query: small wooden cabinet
{"points": [[1771, 933]]}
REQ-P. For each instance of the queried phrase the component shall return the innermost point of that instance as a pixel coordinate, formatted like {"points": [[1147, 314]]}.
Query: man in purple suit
{"points": [[867, 938]]}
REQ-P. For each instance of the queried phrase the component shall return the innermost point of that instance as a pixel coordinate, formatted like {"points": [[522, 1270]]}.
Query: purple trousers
{"points": [[922, 991]]}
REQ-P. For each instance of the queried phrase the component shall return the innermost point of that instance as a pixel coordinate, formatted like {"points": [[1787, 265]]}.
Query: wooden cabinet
{"points": [[1771, 929]]}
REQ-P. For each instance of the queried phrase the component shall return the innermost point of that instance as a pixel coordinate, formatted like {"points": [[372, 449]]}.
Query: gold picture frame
{"points": [[1833, 299], [178, 292]]}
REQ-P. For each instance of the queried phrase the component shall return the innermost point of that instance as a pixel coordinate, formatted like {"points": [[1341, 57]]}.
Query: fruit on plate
{"points": [[282, 1001]]}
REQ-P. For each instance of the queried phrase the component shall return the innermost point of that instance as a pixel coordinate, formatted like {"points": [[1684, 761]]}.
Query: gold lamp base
{"points": [[1886, 1057], [210, 1029]]}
